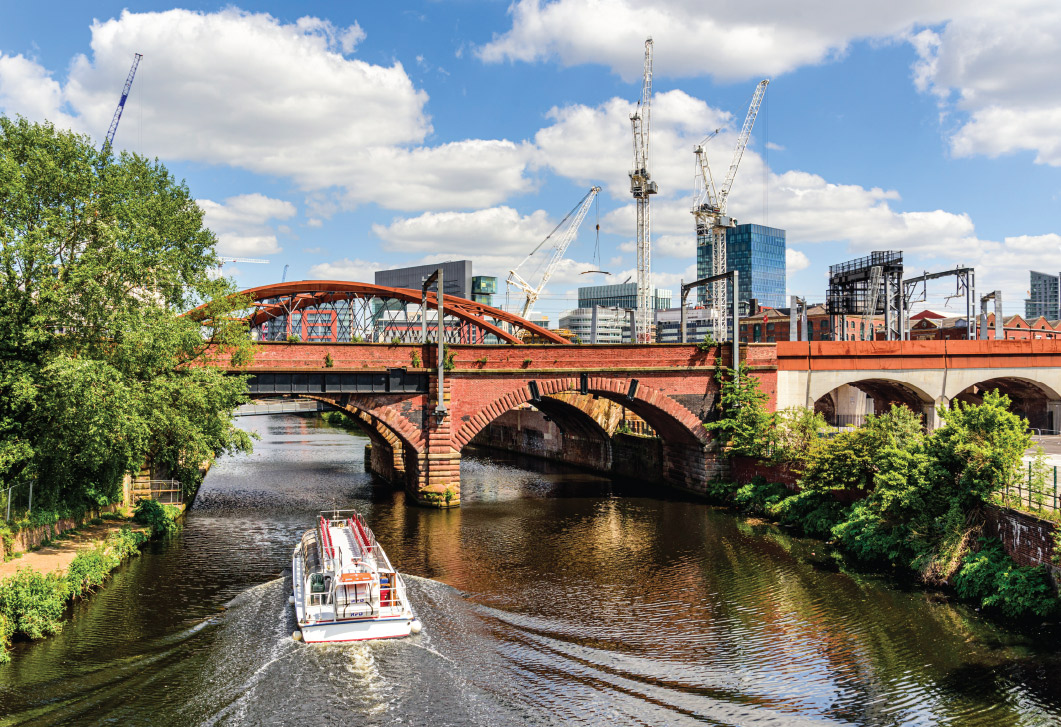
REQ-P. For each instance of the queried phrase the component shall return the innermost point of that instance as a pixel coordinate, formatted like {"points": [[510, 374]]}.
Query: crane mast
{"points": [[568, 228], [709, 211], [641, 187], [121, 103]]}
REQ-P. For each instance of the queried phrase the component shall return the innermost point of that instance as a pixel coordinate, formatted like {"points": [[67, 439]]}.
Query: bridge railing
{"points": [[1033, 491]]}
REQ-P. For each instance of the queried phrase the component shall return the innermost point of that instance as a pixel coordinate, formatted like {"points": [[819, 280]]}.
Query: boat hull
{"points": [[339, 631]]}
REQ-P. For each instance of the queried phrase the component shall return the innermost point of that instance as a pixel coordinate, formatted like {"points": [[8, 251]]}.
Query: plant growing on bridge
{"points": [[415, 359], [448, 363], [743, 425], [98, 371], [328, 362], [707, 344]]}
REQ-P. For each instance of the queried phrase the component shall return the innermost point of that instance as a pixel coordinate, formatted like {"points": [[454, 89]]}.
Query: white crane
{"points": [[567, 228], [641, 187], [224, 260], [709, 209]]}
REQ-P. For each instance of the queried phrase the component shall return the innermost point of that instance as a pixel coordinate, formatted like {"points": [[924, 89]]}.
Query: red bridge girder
{"points": [[308, 294]]}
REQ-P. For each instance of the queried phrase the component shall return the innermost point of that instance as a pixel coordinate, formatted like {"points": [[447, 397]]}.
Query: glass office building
{"points": [[623, 295], [758, 253]]}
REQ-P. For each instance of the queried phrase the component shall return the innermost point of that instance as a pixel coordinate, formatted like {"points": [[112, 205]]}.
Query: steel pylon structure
{"points": [[642, 187], [712, 221]]}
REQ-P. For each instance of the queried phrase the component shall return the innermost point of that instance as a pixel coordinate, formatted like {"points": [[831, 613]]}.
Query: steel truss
{"points": [[346, 312]]}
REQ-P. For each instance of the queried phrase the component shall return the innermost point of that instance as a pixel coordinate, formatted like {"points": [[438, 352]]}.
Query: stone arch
{"points": [[881, 392], [383, 413], [670, 419], [1034, 400], [565, 427]]}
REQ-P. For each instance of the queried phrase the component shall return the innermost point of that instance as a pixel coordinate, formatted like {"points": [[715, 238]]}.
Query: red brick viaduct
{"points": [[392, 389]]}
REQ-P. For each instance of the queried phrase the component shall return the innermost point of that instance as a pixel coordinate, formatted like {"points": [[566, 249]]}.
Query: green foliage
{"points": [[328, 362], [99, 372], [707, 344], [415, 358], [396, 341], [527, 362], [448, 363], [481, 360], [341, 420], [32, 603], [992, 579], [294, 338], [357, 339], [161, 519], [760, 496], [744, 426]]}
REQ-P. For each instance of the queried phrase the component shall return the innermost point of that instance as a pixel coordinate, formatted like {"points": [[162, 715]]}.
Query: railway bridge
{"points": [[357, 347]]}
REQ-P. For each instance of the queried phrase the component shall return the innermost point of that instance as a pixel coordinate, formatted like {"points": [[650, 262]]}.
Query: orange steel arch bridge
{"points": [[337, 311]]}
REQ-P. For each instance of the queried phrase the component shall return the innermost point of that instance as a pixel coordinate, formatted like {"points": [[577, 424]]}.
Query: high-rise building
{"points": [[623, 295], [456, 277], [483, 289], [612, 325], [758, 254], [1045, 296]]}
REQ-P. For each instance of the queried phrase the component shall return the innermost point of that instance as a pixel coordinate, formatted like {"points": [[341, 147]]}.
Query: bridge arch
{"points": [[1030, 398], [669, 419], [840, 408], [347, 311]]}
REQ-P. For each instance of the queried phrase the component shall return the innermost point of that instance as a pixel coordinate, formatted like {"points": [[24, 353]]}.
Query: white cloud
{"points": [[729, 39], [795, 261], [346, 269], [495, 230], [998, 62], [591, 145], [247, 90], [242, 226]]}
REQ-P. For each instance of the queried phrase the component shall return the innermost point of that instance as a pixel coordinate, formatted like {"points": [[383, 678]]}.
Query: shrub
{"points": [[527, 362], [89, 569], [294, 338], [328, 361], [992, 579], [448, 363], [33, 603], [161, 519], [415, 358]]}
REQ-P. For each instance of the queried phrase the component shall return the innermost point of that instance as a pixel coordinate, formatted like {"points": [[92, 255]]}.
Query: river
{"points": [[549, 597]]}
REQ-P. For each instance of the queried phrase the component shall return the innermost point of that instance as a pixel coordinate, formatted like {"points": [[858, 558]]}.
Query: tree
{"points": [[743, 426], [99, 372]]}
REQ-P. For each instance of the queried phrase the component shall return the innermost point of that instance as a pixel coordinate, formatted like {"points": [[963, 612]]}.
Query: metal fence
{"points": [[167, 492], [1034, 491], [16, 501]]}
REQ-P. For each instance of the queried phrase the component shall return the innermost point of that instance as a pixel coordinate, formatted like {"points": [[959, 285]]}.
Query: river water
{"points": [[548, 598]]}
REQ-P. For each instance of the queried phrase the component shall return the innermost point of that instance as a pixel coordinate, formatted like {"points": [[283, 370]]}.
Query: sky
{"points": [[336, 139]]}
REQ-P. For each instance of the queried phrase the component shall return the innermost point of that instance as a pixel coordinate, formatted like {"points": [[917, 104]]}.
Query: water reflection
{"points": [[550, 597]]}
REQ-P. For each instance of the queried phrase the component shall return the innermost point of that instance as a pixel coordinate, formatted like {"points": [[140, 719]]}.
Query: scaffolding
{"points": [[867, 287]]}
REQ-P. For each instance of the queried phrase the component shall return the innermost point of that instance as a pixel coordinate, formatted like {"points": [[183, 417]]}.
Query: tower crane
{"points": [[642, 187], [224, 260], [709, 210], [567, 230], [121, 104]]}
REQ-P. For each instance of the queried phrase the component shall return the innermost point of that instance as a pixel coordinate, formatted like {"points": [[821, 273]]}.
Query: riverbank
{"points": [[37, 586]]}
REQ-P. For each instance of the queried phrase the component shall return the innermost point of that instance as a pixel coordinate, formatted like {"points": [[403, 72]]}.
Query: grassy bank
{"points": [[340, 420], [888, 495], [33, 603]]}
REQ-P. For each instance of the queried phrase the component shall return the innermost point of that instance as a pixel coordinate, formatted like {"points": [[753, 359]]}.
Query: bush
{"points": [[990, 578], [33, 603], [162, 519], [90, 568]]}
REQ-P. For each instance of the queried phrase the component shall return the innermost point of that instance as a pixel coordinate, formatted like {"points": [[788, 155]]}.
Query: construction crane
{"points": [[642, 187], [121, 104], [709, 210], [561, 237], [224, 260]]}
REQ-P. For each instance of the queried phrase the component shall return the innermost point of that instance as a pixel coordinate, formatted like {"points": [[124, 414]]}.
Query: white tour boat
{"points": [[345, 588]]}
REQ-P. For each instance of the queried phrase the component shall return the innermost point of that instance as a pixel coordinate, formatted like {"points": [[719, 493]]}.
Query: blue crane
{"points": [[121, 104]]}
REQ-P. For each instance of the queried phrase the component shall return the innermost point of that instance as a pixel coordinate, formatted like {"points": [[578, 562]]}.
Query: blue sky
{"points": [[341, 138]]}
